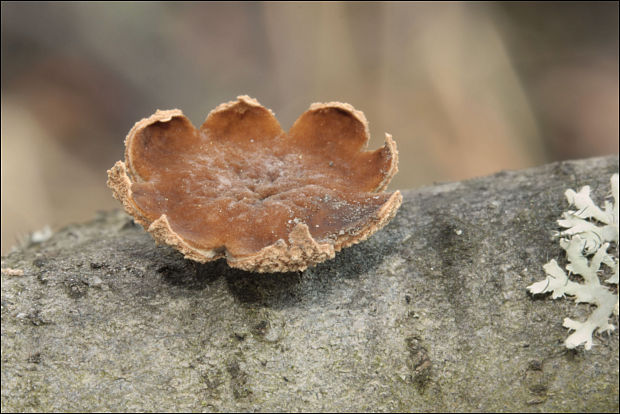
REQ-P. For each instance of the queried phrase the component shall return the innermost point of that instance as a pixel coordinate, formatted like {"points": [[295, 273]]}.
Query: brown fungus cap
{"points": [[240, 187]]}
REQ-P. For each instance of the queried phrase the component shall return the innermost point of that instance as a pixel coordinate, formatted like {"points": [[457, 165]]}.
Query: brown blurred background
{"points": [[466, 89]]}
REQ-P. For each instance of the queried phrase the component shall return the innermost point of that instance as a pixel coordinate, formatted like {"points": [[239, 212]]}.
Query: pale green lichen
{"points": [[589, 234]]}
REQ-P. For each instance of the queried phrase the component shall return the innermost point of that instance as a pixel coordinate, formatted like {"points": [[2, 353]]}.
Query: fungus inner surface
{"points": [[241, 183]]}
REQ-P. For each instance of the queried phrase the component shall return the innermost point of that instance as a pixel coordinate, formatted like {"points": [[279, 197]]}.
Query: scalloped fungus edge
{"points": [[295, 254]]}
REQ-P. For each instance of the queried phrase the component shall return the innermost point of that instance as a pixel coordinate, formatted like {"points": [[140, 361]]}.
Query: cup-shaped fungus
{"points": [[240, 187]]}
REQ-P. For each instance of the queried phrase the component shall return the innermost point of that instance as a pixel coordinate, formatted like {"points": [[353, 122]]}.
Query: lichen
{"points": [[591, 235]]}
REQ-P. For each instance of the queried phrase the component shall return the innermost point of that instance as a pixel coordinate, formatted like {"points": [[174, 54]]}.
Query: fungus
{"points": [[239, 187]]}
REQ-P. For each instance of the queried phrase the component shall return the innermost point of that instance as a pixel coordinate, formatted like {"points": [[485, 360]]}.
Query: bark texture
{"points": [[429, 314]]}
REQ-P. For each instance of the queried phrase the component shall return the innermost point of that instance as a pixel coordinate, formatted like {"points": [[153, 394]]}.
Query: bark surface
{"points": [[429, 314]]}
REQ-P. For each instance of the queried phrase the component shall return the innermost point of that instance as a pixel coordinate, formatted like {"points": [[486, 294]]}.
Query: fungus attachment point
{"points": [[239, 187]]}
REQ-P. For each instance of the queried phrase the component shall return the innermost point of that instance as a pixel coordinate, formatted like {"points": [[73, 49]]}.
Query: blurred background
{"points": [[466, 89]]}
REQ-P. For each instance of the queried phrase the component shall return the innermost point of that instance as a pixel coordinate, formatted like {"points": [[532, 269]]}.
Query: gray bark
{"points": [[429, 314]]}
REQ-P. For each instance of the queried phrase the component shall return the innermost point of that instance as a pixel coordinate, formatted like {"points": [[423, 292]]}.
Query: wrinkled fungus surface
{"points": [[240, 187]]}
